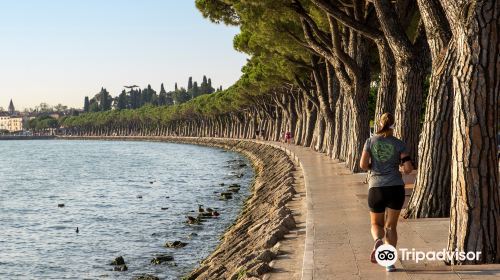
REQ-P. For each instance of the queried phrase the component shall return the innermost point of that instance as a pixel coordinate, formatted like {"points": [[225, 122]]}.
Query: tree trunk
{"points": [[409, 72], [410, 77], [359, 131], [431, 193], [311, 114], [333, 96], [386, 95], [475, 208], [339, 112], [360, 120]]}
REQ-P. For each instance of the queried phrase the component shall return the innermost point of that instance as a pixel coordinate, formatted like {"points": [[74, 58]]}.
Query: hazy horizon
{"points": [[61, 51]]}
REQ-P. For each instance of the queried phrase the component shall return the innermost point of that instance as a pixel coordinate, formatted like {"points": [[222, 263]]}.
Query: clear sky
{"points": [[58, 51]]}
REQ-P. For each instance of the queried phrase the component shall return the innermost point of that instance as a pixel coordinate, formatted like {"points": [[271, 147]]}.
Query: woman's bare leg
{"points": [[377, 222], [391, 223]]}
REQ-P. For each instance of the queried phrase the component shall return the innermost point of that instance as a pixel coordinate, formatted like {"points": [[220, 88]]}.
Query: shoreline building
{"points": [[11, 124], [10, 121], [12, 109]]}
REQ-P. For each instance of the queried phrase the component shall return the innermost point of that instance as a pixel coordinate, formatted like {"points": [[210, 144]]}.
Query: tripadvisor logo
{"points": [[386, 255]]}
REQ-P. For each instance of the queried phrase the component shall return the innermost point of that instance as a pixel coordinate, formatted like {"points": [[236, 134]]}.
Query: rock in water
{"points": [[205, 215], [175, 244], [120, 268], [192, 220], [233, 189], [161, 259], [118, 261], [226, 195], [146, 277]]}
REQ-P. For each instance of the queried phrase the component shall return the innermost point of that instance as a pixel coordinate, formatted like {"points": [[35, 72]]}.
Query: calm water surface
{"points": [[100, 182]]}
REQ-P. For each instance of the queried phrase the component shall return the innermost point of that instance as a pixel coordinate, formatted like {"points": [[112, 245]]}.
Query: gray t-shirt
{"points": [[385, 155]]}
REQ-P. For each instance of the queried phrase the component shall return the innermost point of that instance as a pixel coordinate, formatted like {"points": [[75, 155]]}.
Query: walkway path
{"points": [[338, 241]]}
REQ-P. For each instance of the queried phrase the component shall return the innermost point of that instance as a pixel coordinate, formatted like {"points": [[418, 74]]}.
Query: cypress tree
{"points": [[86, 104], [162, 99], [169, 100], [94, 106], [134, 99], [204, 86], [105, 100], [190, 83], [210, 88], [122, 101], [139, 99], [148, 95], [181, 96], [195, 91]]}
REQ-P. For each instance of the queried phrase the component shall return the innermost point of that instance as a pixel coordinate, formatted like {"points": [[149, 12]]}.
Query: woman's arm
{"points": [[406, 166], [364, 163]]}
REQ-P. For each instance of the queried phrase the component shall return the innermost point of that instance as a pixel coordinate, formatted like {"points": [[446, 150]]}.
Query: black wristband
{"points": [[405, 159]]}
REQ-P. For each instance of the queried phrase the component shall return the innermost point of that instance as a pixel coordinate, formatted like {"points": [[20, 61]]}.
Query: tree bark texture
{"points": [[475, 207]]}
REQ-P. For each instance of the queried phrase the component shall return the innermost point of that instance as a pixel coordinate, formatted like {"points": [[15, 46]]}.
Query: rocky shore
{"points": [[252, 242]]}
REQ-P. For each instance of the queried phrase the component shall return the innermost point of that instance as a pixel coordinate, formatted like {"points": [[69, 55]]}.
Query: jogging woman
{"points": [[385, 157], [288, 137]]}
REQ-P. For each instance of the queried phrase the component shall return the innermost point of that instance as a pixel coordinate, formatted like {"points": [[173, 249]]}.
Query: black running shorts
{"points": [[380, 198]]}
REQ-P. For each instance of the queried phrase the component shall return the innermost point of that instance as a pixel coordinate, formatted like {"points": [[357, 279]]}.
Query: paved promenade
{"points": [[338, 241]]}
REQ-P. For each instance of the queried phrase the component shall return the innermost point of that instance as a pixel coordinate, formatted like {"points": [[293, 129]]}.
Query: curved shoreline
{"points": [[251, 243]]}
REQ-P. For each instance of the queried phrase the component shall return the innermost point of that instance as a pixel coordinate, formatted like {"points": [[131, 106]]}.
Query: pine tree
{"points": [[176, 89], [190, 83]]}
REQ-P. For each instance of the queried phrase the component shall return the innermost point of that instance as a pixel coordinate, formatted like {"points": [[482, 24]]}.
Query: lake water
{"points": [[100, 184]]}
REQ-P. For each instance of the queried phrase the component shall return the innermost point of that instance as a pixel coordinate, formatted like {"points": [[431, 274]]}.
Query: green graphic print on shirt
{"points": [[382, 151]]}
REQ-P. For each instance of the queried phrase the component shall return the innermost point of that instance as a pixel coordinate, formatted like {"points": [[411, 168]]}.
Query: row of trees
{"points": [[42, 123], [45, 108], [313, 63], [136, 98]]}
